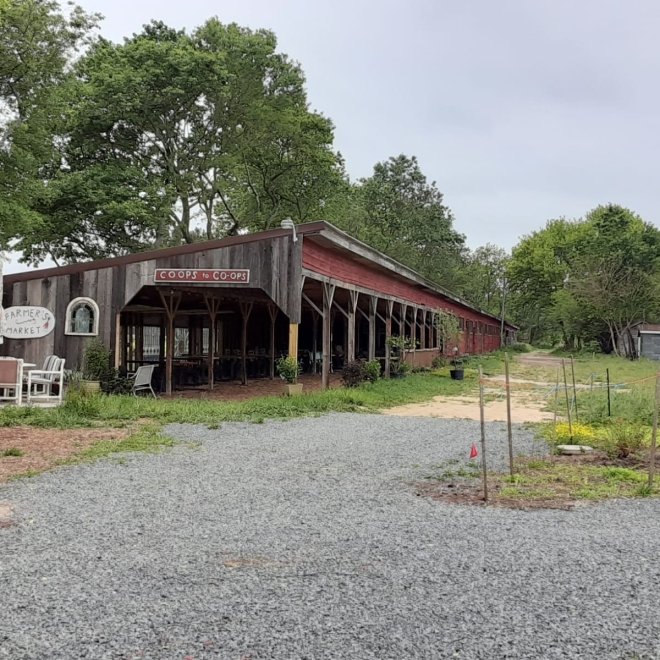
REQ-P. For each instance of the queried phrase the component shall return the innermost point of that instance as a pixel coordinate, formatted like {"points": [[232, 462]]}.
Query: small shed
{"points": [[648, 340]]}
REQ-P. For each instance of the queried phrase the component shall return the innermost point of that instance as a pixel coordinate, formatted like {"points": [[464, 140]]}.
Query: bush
{"points": [[288, 369], [96, 361], [372, 371], [399, 369], [623, 440], [80, 403], [439, 362], [115, 383], [519, 347], [353, 373]]}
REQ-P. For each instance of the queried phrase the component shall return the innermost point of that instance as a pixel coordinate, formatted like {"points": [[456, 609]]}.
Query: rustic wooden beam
{"points": [[328, 296], [336, 305], [213, 307], [402, 321], [171, 303], [119, 344], [388, 335], [293, 340], [246, 310], [350, 344], [315, 338], [312, 304], [273, 311], [373, 305]]}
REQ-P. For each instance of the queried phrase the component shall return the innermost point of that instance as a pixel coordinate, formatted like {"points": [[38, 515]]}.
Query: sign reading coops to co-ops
{"points": [[201, 275], [24, 322]]}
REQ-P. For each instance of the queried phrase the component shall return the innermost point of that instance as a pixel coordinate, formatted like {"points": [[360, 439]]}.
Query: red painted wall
{"points": [[332, 263]]}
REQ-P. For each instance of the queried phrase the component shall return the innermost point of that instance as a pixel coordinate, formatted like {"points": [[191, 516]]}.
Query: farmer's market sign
{"points": [[202, 275], [24, 322]]}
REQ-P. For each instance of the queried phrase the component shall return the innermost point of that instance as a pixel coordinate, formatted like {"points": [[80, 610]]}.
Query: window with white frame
{"points": [[82, 317]]}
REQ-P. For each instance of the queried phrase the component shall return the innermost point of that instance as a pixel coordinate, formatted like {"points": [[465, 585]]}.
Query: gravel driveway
{"points": [[304, 539]]}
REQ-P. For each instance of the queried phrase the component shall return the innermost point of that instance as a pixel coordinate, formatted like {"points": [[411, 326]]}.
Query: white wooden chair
{"points": [[46, 386], [11, 380], [142, 379]]}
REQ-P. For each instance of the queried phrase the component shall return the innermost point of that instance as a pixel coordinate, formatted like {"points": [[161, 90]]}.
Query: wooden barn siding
{"points": [[271, 269], [333, 264]]}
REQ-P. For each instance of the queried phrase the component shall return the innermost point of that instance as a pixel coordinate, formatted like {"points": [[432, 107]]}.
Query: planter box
{"points": [[293, 388]]}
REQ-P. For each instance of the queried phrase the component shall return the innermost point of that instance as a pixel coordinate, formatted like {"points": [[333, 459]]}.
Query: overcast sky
{"points": [[520, 110]]}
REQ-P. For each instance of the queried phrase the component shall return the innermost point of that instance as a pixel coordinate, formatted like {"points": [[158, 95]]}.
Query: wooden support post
{"points": [[272, 312], [352, 305], [328, 295], [654, 432], [373, 304], [246, 310], [119, 343], [293, 340], [315, 340], [568, 405], [402, 320], [213, 307], [171, 302], [388, 335]]}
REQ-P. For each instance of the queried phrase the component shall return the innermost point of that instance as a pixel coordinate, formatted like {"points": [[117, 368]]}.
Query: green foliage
{"points": [[483, 278], [401, 344], [399, 369], [439, 362], [174, 137], [519, 347], [353, 373], [12, 451], [372, 370], [624, 439], [79, 403], [588, 280], [96, 361], [448, 328], [288, 368]]}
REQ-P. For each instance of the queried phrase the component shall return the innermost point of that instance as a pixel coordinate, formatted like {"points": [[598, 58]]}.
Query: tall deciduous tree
{"points": [[405, 216], [175, 137], [38, 42]]}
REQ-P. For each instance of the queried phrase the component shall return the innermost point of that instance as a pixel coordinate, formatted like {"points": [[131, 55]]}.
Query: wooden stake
{"points": [[577, 418], [556, 396], [568, 404], [609, 401], [483, 434], [508, 412], [654, 434]]}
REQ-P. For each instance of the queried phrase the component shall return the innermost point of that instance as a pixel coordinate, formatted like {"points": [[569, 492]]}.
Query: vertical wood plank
{"points": [[388, 335], [272, 313], [352, 305], [328, 295], [373, 304]]}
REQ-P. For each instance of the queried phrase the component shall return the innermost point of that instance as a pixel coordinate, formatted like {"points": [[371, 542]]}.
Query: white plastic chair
{"points": [[41, 383], [11, 380], [142, 379]]}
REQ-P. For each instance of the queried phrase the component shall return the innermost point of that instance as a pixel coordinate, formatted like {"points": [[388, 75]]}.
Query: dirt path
{"points": [[528, 399]]}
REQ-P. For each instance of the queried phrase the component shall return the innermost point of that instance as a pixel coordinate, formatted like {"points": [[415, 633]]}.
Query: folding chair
{"points": [[11, 380], [42, 384], [142, 380]]}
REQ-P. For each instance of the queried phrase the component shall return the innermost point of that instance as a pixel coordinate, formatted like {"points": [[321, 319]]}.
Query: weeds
{"points": [[12, 451]]}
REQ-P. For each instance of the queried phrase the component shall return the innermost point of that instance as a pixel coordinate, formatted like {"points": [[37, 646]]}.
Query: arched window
{"points": [[82, 317]]}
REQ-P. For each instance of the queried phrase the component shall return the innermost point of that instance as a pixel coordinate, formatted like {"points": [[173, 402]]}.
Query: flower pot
{"points": [[90, 386], [293, 388], [456, 374]]}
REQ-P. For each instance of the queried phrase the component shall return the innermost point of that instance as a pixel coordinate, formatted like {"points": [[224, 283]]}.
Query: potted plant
{"points": [[289, 370], [456, 371], [96, 365], [399, 369]]}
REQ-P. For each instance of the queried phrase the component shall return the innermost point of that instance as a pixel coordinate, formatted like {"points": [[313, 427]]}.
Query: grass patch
{"points": [[146, 438], [116, 411], [12, 451], [571, 480]]}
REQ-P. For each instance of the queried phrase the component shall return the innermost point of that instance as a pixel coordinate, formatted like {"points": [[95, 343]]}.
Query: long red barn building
{"points": [[227, 308]]}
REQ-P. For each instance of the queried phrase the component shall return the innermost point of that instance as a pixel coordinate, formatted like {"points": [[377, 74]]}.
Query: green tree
{"points": [[176, 137], [38, 42], [404, 215], [484, 278]]}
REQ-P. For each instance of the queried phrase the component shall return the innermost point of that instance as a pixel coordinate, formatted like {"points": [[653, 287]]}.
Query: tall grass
{"points": [[80, 410]]}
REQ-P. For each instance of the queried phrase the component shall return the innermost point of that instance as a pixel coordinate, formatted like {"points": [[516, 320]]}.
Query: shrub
{"points": [[353, 373], [115, 383], [399, 369], [288, 369], [78, 402], [439, 362], [372, 370], [519, 347], [96, 361], [623, 440]]}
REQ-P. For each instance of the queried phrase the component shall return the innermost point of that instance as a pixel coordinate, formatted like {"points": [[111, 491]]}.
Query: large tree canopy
{"points": [[172, 137], [38, 42], [590, 279]]}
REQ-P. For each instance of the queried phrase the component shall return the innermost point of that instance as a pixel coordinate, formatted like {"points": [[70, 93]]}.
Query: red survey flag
{"points": [[473, 451]]}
